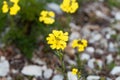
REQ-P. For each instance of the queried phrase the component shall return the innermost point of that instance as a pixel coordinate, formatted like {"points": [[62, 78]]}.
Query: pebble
{"points": [[95, 37], [117, 15], [92, 61], [109, 58], [58, 77], [99, 51], [90, 50], [118, 78], [93, 77], [74, 35], [85, 56], [111, 47], [32, 70], [48, 73], [55, 7], [117, 26], [71, 76], [115, 70], [4, 66]]}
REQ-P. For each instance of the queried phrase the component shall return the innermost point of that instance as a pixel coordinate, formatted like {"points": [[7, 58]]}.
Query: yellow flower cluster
{"points": [[47, 17], [69, 6], [74, 71], [57, 39], [13, 10], [79, 44]]}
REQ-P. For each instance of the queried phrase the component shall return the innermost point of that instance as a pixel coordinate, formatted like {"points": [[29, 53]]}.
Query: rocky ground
{"points": [[97, 23]]}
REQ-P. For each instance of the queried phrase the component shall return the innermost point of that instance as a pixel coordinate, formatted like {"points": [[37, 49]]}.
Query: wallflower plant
{"points": [[79, 45], [58, 41], [47, 17]]}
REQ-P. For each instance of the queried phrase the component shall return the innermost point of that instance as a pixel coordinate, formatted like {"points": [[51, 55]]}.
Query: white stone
{"points": [[117, 16], [99, 51], [92, 61], [38, 61], [74, 26], [115, 70], [118, 78], [58, 77], [111, 47], [55, 7], [85, 56], [109, 58], [71, 76], [108, 78], [97, 37], [93, 77], [74, 35], [4, 66], [117, 26], [108, 36], [48, 73], [32, 70], [90, 50]]}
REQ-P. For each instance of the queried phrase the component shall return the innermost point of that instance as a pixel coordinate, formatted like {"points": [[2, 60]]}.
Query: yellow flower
{"points": [[69, 6], [79, 44], [14, 9], [47, 17], [5, 7], [14, 1], [74, 71], [57, 39]]}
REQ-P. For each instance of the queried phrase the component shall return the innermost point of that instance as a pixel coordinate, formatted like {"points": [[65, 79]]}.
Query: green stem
{"points": [[63, 69], [78, 60]]}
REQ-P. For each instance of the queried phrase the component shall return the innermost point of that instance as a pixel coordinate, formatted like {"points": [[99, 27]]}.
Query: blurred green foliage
{"points": [[113, 3]]}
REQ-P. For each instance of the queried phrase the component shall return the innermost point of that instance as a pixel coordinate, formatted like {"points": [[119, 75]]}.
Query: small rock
{"points": [[95, 37], [38, 61], [69, 61], [117, 26], [74, 35], [117, 16], [108, 78], [111, 47], [55, 7], [74, 27], [90, 50], [4, 66], [109, 58], [85, 56], [92, 61], [48, 73], [115, 70], [118, 78], [93, 77], [32, 70], [71, 76], [58, 77], [104, 43], [99, 51]]}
